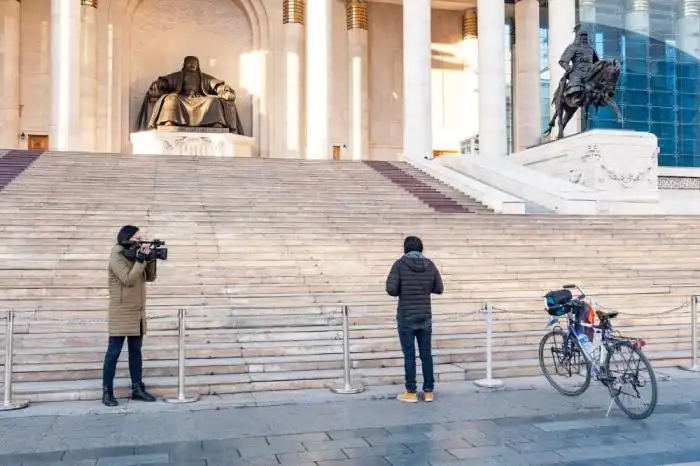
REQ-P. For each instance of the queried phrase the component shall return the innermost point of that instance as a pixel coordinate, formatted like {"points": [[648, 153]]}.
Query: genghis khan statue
{"points": [[189, 98]]}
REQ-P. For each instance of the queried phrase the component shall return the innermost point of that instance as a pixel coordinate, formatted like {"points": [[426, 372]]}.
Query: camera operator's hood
{"points": [[125, 234]]}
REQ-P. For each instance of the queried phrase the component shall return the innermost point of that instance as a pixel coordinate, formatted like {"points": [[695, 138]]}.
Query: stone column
{"points": [[562, 20], [492, 78], [65, 134], [526, 105], [319, 47], [88, 68], [417, 90], [470, 38], [293, 12], [637, 17], [689, 29], [358, 91], [586, 12], [9, 79]]}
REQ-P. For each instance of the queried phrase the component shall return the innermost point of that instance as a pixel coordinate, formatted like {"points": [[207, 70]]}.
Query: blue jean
{"points": [[408, 337], [114, 349]]}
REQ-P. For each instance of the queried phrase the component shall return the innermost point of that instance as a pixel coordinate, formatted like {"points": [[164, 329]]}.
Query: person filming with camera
{"points": [[132, 263]]}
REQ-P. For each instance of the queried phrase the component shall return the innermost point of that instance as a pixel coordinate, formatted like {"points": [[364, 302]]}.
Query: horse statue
{"points": [[598, 91]]}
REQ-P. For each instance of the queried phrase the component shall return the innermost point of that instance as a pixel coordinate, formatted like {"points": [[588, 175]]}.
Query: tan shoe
{"points": [[428, 396], [408, 397]]}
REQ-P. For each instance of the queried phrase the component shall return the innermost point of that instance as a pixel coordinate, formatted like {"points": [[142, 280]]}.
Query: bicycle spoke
{"points": [[566, 375], [629, 377]]}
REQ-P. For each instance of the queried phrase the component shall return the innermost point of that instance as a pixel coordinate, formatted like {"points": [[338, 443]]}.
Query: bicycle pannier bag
{"points": [[556, 300]]}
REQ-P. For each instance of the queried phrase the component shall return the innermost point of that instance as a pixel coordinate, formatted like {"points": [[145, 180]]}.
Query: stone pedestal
{"points": [[192, 141], [621, 163]]}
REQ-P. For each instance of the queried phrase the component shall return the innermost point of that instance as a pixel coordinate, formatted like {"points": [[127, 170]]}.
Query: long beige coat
{"points": [[127, 294]]}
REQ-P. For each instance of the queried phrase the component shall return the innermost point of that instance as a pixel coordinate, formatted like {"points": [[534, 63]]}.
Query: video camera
{"points": [[157, 250]]}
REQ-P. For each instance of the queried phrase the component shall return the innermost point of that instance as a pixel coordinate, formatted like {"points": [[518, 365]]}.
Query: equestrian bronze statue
{"points": [[587, 81]]}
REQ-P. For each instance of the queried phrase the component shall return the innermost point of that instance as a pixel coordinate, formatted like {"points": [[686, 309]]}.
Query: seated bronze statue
{"points": [[189, 98]]}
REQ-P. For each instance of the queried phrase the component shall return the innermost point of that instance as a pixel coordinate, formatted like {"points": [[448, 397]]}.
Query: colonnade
{"points": [[308, 71]]}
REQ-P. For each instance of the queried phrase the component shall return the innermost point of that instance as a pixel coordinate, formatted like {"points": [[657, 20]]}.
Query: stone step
{"points": [[94, 287], [167, 366], [261, 261], [90, 389]]}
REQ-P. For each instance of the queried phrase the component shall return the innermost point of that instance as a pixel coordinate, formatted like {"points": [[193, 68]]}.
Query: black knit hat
{"points": [[412, 243], [126, 233]]}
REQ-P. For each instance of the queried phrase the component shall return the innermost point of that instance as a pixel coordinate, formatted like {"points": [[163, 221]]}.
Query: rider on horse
{"points": [[582, 57]]}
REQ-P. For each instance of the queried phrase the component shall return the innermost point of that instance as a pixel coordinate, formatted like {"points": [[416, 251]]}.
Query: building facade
{"points": [[349, 78]]}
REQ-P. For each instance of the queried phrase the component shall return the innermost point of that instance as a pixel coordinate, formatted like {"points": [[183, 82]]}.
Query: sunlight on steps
{"points": [[262, 253]]}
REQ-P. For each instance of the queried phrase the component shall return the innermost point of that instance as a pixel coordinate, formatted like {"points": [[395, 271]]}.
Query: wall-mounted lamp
{"points": [[22, 136]]}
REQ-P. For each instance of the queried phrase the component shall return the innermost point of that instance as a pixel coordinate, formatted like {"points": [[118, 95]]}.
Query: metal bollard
{"points": [[694, 367], [488, 382], [347, 388], [181, 398], [7, 404]]}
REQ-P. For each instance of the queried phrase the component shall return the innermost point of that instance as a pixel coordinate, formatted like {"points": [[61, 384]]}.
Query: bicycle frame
{"points": [[570, 331]]}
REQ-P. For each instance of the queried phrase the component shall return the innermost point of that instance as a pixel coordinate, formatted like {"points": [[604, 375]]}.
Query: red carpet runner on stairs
{"points": [[14, 163], [428, 195]]}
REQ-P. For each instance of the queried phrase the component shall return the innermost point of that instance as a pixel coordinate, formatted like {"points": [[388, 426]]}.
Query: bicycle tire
{"points": [[559, 388], [652, 379]]}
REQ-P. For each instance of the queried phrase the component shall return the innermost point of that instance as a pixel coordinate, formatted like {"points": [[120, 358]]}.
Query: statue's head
{"points": [[190, 64], [581, 35]]}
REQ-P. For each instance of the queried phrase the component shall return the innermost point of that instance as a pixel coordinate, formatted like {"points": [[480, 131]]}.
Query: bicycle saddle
{"points": [[609, 315]]}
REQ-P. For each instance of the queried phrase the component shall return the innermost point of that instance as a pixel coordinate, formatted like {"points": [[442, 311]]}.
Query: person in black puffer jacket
{"points": [[413, 278]]}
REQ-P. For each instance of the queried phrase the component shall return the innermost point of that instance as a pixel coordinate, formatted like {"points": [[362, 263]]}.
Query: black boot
{"points": [[108, 397], [138, 392]]}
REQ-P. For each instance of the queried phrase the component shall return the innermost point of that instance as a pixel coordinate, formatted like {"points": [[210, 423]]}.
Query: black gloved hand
{"points": [[141, 256]]}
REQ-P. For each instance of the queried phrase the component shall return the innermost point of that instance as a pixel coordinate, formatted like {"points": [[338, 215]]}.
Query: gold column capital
{"points": [[691, 8], [293, 12], [92, 3], [639, 5], [470, 29], [356, 15]]}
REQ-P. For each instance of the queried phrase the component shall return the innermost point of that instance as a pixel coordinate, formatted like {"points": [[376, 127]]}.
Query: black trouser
{"points": [[408, 336], [114, 349]]}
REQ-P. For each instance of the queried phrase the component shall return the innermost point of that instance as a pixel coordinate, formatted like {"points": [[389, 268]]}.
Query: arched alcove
{"points": [[231, 38], [218, 32]]}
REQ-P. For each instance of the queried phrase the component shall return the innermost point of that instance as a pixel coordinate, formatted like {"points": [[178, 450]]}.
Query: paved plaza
{"points": [[526, 422]]}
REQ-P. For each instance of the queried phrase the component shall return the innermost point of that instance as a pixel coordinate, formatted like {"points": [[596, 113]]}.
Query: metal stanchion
{"points": [[488, 382], [694, 367], [7, 404], [347, 388], [181, 398]]}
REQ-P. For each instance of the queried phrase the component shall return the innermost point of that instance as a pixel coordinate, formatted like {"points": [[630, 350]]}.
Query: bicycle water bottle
{"points": [[586, 344]]}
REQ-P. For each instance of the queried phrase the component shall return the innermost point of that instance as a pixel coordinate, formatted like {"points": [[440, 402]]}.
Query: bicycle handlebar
{"points": [[581, 295]]}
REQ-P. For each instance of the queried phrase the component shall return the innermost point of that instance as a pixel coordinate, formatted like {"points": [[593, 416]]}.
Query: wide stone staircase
{"points": [[262, 253]]}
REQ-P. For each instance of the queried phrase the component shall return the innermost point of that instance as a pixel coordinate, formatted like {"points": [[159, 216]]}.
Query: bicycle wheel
{"points": [[631, 371], [567, 376]]}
